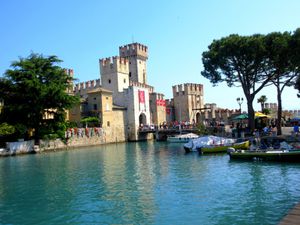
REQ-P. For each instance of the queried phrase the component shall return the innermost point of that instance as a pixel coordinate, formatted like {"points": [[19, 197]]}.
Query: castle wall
{"points": [[83, 87], [157, 108], [121, 98], [170, 110], [74, 114], [117, 131]]}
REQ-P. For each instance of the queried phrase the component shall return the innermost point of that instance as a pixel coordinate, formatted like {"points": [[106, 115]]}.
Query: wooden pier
{"points": [[293, 217]]}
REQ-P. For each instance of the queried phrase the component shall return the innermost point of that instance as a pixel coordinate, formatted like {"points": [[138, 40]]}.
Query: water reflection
{"points": [[143, 183]]}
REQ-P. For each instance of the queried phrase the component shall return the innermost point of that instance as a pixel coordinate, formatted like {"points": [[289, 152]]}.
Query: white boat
{"points": [[208, 141], [182, 138]]}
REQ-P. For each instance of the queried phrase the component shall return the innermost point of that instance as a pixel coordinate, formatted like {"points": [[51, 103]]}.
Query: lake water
{"points": [[144, 183]]}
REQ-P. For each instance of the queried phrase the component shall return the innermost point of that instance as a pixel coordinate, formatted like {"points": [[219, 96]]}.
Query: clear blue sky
{"points": [[176, 32]]}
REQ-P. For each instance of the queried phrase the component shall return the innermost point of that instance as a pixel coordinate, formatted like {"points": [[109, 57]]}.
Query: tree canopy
{"points": [[296, 47], [36, 88], [238, 61], [90, 121], [262, 100], [282, 59], [6, 129]]}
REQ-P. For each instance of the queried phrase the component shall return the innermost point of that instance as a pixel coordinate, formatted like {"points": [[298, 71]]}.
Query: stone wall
{"points": [[89, 138], [46, 145], [105, 137]]}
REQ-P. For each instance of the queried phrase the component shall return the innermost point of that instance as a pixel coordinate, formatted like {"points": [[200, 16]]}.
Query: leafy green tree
{"points": [[283, 61], [239, 61], [262, 100], [296, 58], [6, 129], [283, 56], [35, 87], [94, 121], [266, 111], [201, 129]]}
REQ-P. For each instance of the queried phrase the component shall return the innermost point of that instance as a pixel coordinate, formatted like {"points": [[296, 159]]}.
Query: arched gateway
{"points": [[142, 119], [198, 118]]}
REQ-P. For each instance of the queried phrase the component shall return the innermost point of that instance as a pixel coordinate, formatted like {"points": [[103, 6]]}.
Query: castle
{"points": [[124, 101]]}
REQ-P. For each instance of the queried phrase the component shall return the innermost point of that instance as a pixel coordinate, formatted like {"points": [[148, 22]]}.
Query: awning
{"points": [[241, 117], [261, 115]]}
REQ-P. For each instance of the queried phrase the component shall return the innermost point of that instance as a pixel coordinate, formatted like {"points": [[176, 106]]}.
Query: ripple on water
{"points": [[143, 183]]}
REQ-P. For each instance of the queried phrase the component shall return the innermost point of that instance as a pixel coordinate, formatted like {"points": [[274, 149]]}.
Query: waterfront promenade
{"points": [[293, 217]]}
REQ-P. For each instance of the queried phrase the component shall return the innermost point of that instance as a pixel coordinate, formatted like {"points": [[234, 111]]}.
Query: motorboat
{"points": [[222, 148], [269, 155], [182, 138], [209, 141], [285, 153]]}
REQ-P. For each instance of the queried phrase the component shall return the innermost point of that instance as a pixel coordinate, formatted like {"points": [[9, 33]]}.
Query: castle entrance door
{"points": [[142, 120], [198, 118]]}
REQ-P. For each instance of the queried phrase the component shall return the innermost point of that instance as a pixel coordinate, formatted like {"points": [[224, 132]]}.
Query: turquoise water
{"points": [[143, 183]]}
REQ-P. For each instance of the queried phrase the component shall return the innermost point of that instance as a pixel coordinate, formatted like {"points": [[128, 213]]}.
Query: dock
{"points": [[293, 217]]}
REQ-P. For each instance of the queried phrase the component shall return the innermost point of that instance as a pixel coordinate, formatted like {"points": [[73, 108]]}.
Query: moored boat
{"points": [[281, 155], [223, 148], [208, 141], [182, 138]]}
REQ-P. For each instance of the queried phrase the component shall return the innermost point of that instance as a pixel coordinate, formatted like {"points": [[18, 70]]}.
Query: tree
{"points": [[266, 111], [297, 85], [262, 100], [94, 121], [35, 87], [238, 61], [281, 58], [296, 58], [6, 129]]}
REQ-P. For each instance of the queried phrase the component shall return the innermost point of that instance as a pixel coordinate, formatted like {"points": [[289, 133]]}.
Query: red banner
{"points": [[141, 96], [168, 111], [160, 102]]}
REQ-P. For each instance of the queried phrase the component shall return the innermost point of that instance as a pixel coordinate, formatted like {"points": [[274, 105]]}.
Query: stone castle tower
{"points": [[114, 73], [137, 55], [188, 100], [120, 72], [126, 76]]}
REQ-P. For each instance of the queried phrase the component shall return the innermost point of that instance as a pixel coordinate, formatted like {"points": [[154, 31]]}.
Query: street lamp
{"points": [[240, 102]]}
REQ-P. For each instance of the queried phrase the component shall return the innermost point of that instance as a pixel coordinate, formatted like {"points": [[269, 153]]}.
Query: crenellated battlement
{"points": [[88, 85], [69, 72], [134, 50], [271, 105], [170, 102], [137, 84], [114, 64], [187, 88], [159, 96], [231, 111]]}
